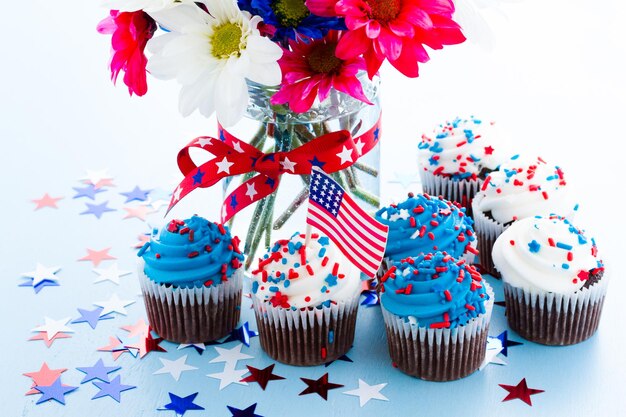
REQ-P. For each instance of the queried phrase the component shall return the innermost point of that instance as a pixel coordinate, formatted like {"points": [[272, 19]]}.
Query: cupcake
{"points": [[553, 279], [191, 278], [437, 311], [520, 188], [305, 300], [456, 158], [424, 224]]}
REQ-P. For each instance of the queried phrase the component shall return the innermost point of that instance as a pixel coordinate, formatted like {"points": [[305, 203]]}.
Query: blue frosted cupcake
{"points": [[191, 279], [437, 311]]}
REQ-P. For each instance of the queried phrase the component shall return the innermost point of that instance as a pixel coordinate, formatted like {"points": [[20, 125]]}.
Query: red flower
{"points": [[396, 30], [131, 31], [280, 300], [311, 69]]}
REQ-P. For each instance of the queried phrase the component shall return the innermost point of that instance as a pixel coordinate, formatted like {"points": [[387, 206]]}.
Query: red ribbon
{"points": [[331, 152]]}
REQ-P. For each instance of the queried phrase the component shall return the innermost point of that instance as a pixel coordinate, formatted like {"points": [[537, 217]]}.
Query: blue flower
{"points": [[291, 18]]}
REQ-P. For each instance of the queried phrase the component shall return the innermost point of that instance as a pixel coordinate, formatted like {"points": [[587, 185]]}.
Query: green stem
{"points": [[361, 166]]}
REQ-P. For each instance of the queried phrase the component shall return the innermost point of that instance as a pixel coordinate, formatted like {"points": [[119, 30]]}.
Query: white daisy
{"points": [[212, 55]]}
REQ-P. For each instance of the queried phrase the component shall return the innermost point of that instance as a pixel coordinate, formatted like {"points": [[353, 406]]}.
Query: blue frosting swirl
{"points": [[425, 224], [436, 289], [191, 253]]}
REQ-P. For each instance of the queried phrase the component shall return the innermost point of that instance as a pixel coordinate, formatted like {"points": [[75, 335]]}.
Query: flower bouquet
{"points": [[304, 75]]}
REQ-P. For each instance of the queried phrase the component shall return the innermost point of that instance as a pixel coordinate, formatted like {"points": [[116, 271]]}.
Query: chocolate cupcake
{"points": [[457, 157], [437, 311], [554, 282], [191, 278], [520, 188], [305, 300]]}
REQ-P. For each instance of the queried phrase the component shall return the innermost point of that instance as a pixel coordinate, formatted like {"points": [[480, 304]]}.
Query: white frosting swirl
{"points": [[548, 254], [522, 188], [326, 276], [461, 148]]}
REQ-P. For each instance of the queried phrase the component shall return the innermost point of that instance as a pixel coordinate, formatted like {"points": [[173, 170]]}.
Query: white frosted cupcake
{"points": [[456, 158], [554, 281], [305, 300], [520, 188]]}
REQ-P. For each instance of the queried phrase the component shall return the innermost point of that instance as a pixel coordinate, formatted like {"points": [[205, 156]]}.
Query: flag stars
{"points": [[197, 177], [250, 191], [288, 165], [224, 166]]}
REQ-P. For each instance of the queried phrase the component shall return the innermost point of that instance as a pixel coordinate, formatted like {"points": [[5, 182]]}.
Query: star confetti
{"points": [[500, 303], [114, 305], [97, 256], [230, 375], [112, 273], [520, 392], [98, 179], [343, 358], [248, 412], [97, 371], [43, 377], [175, 368], [97, 209], [506, 343], [43, 284], [242, 334], [52, 327], [367, 392], [319, 386], [199, 347], [42, 273], [115, 346], [49, 340], [112, 389], [494, 348], [180, 405], [142, 239], [230, 356], [262, 376], [141, 328], [56, 391], [91, 316], [159, 198], [46, 201], [145, 345], [139, 212], [88, 191], [136, 194]]}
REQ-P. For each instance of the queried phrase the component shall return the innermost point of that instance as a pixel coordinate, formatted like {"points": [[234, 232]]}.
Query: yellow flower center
{"points": [[226, 40], [322, 59], [384, 10], [290, 12]]}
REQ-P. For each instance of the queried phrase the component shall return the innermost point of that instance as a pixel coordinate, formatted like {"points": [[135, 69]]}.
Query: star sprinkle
{"points": [[112, 389], [42, 273], [115, 346], [175, 368], [262, 376], [50, 340], [199, 347], [114, 305], [506, 343], [98, 371], [139, 212], [494, 348], [112, 273], [230, 375], [230, 356], [46, 201], [141, 328], [145, 345], [88, 191], [53, 327], [180, 405], [402, 214], [56, 391], [248, 412], [534, 246], [520, 392], [367, 392], [319, 386], [91, 316], [136, 194], [97, 209], [43, 377], [97, 256]]}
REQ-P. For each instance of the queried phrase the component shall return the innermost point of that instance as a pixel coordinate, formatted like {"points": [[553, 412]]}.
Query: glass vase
{"points": [[277, 129]]}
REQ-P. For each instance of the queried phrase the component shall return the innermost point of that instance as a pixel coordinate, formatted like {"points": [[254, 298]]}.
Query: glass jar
{"points": [[277, 129]]}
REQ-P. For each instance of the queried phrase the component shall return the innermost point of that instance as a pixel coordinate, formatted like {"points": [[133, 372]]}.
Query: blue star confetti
{"points": [[92, 317], [97, 209], [88, 191], [180, 405], [242, 334], [247, 412], [112, 389], [40, 286], [506, 343], [55, 392], [98, 371], [343, 358], [136, 194]]}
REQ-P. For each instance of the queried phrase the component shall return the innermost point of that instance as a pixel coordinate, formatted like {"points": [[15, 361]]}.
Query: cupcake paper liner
{"points": [[306, 337], [192, 315], [461, 191], [555, 319], [487, 231], [438, 354]]}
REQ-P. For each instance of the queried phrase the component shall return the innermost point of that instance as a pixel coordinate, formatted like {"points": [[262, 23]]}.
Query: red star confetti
{"points": [[319, 386], [141, 328], [43, 377], [97, 256], [145, 345], [98, 179], [262, 376], [139, 212], [50, 340], [46, 201], [115, 346], [520, 392]]}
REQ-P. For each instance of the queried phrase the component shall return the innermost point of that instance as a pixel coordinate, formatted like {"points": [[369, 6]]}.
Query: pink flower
{"points": [[311, 69], [396, 30], [131, 31]]}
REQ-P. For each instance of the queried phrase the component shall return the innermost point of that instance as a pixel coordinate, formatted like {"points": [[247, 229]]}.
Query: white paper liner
{"points": [[452, 190], [487, 231]]}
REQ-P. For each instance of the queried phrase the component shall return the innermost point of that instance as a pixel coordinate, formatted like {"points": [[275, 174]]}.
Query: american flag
{"points": [[359, 236]]}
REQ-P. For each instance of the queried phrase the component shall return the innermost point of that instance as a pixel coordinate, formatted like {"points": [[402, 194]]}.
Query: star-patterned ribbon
{"points": [[232, 156]]}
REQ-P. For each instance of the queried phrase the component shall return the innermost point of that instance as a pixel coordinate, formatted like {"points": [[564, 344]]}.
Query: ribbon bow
{"points": [[331, 152]]}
